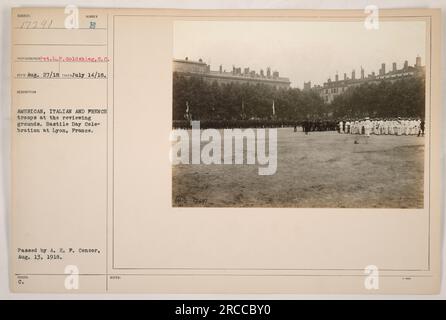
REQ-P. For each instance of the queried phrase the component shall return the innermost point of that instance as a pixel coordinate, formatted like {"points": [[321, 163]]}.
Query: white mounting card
{"points": [[225, 151]]}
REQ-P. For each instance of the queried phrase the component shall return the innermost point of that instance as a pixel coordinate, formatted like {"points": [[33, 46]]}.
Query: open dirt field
{"points": [[321, 170]]}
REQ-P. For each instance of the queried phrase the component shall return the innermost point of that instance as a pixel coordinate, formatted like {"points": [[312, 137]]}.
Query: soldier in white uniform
{"points": [[376, 127], [407, 127], [417, 126], [392, 127], [368, 126], [386, 126], [399, 127], [381, 125], [414, 127]]}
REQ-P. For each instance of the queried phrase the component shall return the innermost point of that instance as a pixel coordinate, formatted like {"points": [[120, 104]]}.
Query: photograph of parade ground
{"points": [[299, 114]]}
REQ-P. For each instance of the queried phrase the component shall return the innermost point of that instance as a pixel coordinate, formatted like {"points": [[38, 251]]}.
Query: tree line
{"points": [[236, 101], [203, 100], [402, 98]]}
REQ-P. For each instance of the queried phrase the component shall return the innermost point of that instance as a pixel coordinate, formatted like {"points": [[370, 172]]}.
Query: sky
{"points": [[301, 50]]}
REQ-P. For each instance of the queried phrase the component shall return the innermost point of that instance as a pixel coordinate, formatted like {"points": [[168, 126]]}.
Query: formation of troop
{"points": [[396, 126], [318, 125]]}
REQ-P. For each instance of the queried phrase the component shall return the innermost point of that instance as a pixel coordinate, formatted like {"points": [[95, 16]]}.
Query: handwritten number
{"points": [[44, 24]]}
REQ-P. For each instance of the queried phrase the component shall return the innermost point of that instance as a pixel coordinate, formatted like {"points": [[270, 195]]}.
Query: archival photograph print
{"points": [[299, 114]]}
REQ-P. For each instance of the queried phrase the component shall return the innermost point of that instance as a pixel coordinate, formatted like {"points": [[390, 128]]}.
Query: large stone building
{"points": [[199, 68], [330, 89]]}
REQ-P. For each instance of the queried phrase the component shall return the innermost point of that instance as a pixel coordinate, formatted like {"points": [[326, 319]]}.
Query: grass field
{"points": [[321, 170]]}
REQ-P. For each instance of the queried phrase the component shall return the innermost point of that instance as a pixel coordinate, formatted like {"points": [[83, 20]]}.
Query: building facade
{"points": [[332, 88], [199, 68]]}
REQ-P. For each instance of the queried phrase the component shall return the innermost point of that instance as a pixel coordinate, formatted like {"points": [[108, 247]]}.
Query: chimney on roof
{"points": [[221, 69], [418, 62], [406, 65], [362, 73], [345, 76], [394, 66], [353, 75], [382, 71], [336, 77], [268, 72]]}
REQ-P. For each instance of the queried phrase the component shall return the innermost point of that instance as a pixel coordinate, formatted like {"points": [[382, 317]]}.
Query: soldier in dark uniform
{"points": [[421, 132]]}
